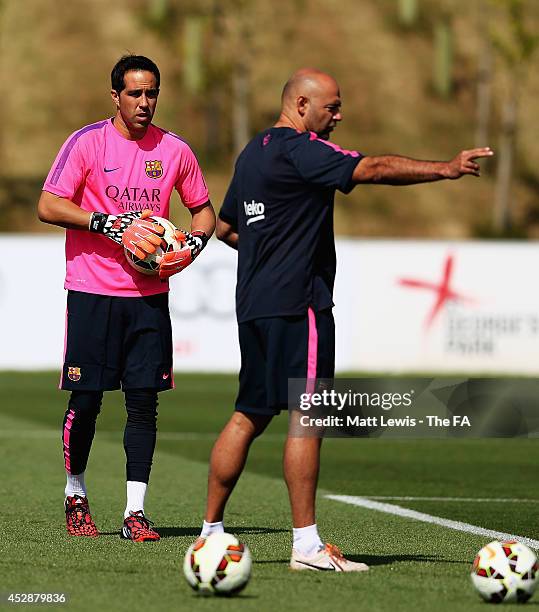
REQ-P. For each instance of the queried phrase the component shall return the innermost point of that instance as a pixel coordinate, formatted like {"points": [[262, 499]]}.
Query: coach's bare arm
{"points": [[397, 170], [226, 233], [62, 212]]}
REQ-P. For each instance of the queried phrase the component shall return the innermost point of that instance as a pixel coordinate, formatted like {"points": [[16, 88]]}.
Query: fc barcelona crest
{"points": [[154, 169], [73, 374]]}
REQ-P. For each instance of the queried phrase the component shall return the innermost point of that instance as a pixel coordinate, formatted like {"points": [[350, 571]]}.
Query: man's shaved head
{"points": [[310, 102], [307, 82]]}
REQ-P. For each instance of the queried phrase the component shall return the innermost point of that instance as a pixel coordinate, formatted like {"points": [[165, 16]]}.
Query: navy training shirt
{"points": [[280, 202]]}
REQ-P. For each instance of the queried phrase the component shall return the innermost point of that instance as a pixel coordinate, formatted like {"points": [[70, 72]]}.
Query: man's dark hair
{"points": [[131, 62]]}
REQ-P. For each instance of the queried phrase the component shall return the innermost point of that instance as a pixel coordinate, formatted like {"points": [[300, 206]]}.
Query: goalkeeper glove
{"points": [[175, 261], [130, 230]]}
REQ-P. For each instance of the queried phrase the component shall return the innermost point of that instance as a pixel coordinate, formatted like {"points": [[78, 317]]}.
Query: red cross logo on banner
{"points": [[442, 290]]}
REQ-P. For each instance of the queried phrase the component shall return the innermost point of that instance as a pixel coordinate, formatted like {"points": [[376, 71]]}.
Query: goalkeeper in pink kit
{"points": [[106, 180]]}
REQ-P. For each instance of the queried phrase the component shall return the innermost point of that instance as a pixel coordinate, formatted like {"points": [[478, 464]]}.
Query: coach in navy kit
{"points": [[278, 214]]}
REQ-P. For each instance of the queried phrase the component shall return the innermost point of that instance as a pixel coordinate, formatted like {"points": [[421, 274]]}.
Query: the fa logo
{"points": [[154, 169], [73, 374]]}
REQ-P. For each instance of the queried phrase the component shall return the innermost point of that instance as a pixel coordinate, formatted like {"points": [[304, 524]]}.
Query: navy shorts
{"points": [[275, 349], [114, 342]]}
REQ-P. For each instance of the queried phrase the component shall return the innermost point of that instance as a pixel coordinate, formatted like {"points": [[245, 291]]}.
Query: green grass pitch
{"points": [[414, 566]]}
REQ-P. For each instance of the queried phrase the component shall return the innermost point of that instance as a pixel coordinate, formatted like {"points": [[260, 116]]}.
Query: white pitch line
{"points": [[455, 499], [428, 518]]}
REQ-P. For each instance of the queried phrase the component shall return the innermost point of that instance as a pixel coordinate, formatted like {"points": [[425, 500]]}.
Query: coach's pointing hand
{"points": [[464, 162]]}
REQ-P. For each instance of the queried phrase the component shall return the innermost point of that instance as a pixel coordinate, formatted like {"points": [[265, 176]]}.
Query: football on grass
{"points": [[217, 565], [149, 264], [505, 572]]}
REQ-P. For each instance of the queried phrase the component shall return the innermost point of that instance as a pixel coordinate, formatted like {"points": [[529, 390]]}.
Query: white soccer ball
{"points": [[505, 572], [149, 265], [217, 565]]}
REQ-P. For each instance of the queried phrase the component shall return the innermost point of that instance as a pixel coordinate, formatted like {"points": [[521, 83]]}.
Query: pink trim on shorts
{"points": [[312, 355], [67, 435]]}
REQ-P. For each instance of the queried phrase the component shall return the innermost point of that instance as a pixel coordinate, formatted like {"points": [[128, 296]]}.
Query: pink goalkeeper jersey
{"points": [[100, 170]]}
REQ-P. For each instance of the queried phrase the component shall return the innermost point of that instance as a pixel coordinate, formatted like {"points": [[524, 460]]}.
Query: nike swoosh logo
{"points": [[165, 376], [111, 169], [331, 567]]}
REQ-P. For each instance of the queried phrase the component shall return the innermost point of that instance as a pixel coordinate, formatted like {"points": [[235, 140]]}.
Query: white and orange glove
{"points": [[130, 230], [175, 261]]}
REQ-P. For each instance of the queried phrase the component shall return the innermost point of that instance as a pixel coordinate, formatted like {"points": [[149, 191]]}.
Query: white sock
{"points": [[75, 485], [209, 528], [306, 540], [136, 492]]}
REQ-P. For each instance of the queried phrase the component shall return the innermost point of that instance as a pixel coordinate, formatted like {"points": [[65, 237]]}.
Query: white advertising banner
{"points": [[402, 306], [33, 307], [427, 306]]}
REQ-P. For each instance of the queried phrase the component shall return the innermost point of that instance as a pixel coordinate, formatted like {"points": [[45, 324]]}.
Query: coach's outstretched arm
{"points": [[397, 170]]}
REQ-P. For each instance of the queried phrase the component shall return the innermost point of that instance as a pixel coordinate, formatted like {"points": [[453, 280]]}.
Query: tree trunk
{"points": [[408, 12], [484, 81], [240, 106], [504, 171], [192, 54], [158, 10], [214, 85], [443, 57]]}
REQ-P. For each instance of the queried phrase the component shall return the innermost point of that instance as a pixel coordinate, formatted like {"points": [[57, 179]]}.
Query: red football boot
{"points": [[137, 528], [78, 518]]}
